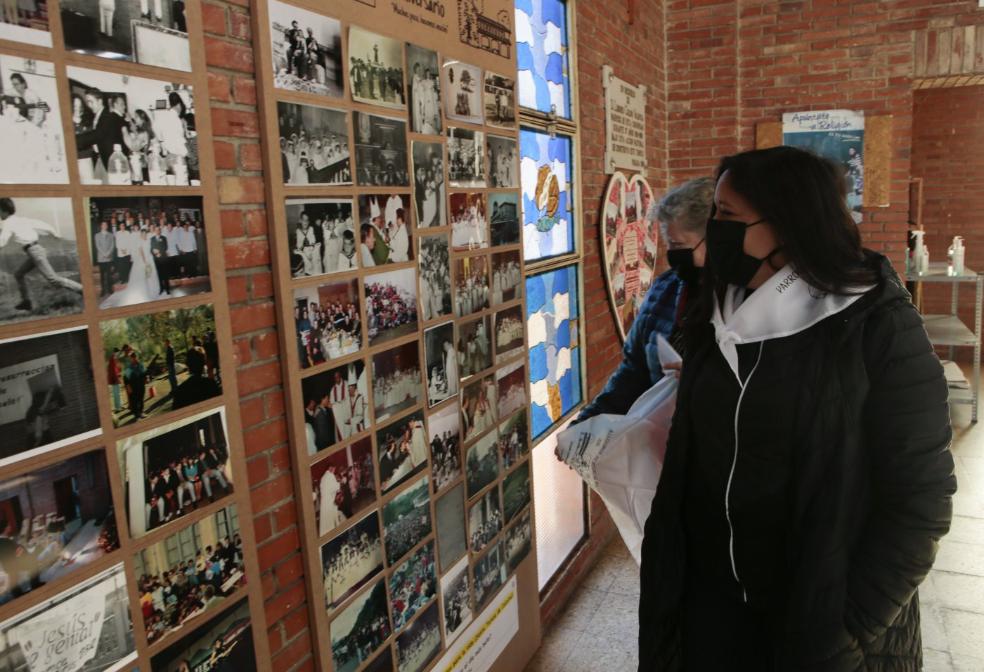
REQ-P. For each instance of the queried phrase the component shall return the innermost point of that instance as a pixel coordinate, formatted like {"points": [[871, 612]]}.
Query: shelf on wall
{"points": [[948, 330]]}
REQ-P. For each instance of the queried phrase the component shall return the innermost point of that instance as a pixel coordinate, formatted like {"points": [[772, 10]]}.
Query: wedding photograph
{"points": [[471, 285], [442, 364], [456, 601], [133, 131], [518, 542], [384, 232], [463, 92], [466, 157], [30, 123], [327, 322], [380, 151], [500, 100], [490, 574], [428, 184], [375, 69], [504, 219], [396, 380], [445, 446], [511, 380], [314, 145], [503, 166], [478, 406], [149, 33], [224, 644], [406, 520], [54, 521], [449, 511], [482, 463], [402, 450], [474, 346], [336, 405], [39, 259], [360, 629], [343, 485], [435, 277], [420, 643], [424, 90], [147, 249], [391, 305], [48, 398], [515, 492], [190, 573], [321, 235], [160, 362], [513, 442], [307, 50], [509, 335], [507, 277], [412, 585], [350, 560], [484, 520], [26, 21], [173, 470], [469, 227]]}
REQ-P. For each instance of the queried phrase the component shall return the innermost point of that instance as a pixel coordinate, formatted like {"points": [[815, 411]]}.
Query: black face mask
{"points": [[682, 262], [726, 257]]}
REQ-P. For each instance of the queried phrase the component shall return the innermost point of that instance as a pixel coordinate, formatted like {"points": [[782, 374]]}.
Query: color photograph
{"points": [[515, 491], [463, 92], [396, 380], [507, 277], [384, 233], [360, 629], [474, 346], [307, 50], [321, 236], [484, 520], [471, 279], [435, 277], [327, 322], [351, 559], [466, 157], [503, 169], [449, 511], [380, 151], [482, 463], [513, 440], [412, 585], [445, 446], [420, 643], [391, 305], [504, 219], [478, 401], [336, 405], [469, 226], [406, 520], [490, 574], [518, 542], [442, 363], [424, 89], [224, 644], [511, 380], [500, 100], [375, 69], [428, 184], [508, 333], [343, 485], [456, 601], [314, 145], [30, 123], [402, 450]]}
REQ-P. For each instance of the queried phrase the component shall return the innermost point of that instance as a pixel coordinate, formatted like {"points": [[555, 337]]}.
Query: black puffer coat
{"points": [[871, 487]]}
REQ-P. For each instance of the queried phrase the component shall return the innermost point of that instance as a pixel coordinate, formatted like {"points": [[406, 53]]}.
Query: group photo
{"points": [[481, 463], [39, 259], [442, 363], [350, 560], [160, 362], [424, 90], [314, 147], [327, 322], [412, 585], [343, 485], [375, 69], [509, 334], [490, 574], [515, 492], [391, 305], [419, 644], [173, 470], [507, 277], [406, 520], [132, 131], [474, 346], [384, 232], [471, 285], [478, 406], [484, 520], [518, 542], [336, 405], [463, 92], [48, 398], [449, 512], [321, 236], [360, 629], [456, 600], [504, 219], [469, 226], [146, 249], [307, 50], [428, 184], [466, 157], [503, 167], [435, 277], [30, 123], [500, 100], [511, 380], [380, 151], [445, 446], [396, 380], [402, 450], [513, 440], [224, 644]]}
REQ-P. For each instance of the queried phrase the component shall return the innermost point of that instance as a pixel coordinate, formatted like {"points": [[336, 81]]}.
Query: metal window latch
{"points": [[552, 121]]}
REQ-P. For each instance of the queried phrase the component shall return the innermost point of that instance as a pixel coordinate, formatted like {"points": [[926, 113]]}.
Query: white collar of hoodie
{"points": [[785, 305]]}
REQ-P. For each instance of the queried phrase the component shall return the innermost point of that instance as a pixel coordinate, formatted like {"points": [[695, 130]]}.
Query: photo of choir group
{"points": [[396, 381], [471, 290], [314, 145], [507, 277], [321, 236], [509, 332], [327, 322], [343, 485], [351, 559]]}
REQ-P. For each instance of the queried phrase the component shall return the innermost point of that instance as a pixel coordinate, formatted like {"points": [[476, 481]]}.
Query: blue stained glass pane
{"points": [[544, 67], [545, 175]]}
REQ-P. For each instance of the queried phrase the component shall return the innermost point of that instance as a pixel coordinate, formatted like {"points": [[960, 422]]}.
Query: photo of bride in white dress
{"points": [[143, 283]]}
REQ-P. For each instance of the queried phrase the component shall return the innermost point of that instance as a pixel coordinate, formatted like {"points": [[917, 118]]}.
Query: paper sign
{"points": [[487, 637], [15, 386]]}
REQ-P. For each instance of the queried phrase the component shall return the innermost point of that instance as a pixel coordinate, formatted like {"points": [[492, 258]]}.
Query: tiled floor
{"points": [[597, 631]]}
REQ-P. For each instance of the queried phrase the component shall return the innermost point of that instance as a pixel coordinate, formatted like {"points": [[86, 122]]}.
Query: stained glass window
{"points": [[546, 170], [552, 306], [541, 49]]}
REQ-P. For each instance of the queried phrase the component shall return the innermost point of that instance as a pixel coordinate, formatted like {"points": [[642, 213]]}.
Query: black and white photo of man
{"points": [[457, 601], [380, 151], [503, 168], [500, 101], [321, 235], [313, 145], [442, 364], [428, 184], [375, 69], [435, 277], [425, 90], [307, 50], [466, 157], [30, 123], [462, 84]]}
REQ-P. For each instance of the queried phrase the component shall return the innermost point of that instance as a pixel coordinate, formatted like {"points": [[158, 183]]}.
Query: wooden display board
{"points": [[127, 539], [394, 529]]}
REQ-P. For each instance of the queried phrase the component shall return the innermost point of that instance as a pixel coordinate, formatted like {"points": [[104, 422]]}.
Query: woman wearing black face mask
{"points": [[808, 478], [682, 214]]}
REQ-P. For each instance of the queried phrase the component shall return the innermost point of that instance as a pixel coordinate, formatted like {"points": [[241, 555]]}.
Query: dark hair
{"points": [[17, 77], [174, 98], [7, 206]]}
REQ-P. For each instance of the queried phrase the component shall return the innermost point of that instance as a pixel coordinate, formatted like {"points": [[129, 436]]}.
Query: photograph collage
{"points": [[406, 272], [116, 471]]}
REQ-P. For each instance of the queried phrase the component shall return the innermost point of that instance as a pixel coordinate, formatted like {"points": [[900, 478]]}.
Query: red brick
{"points": [[239, 26], [225, 155], [257, 468], [290, 570], [262, 286], [213, 19], [265, 437], [295, 656], [250, 157], [247, 253], [275, 406], [232, 223], [256, 223], [229, 56], [259, 377], [285, 601], [235, 123], [285, 516], [242, 352], [244, 190], [272, 492], [262, 528], [244, 90], [219, 87], [266, 345], [236, 289]]}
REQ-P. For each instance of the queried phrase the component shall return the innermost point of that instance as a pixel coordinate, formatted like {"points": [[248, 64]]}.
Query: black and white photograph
{"points": [[490, 574], [456, 600], [478, 406], [515, 492], [482, 463], [224, 644], [402, 450], [462, 84], [396, 380], [471, 285], [428, 184], [149, 32], [336, 405], [474, 346], [343, 485], [86, 627], [503, 164], [322, 238], [190, 573], [469, 225], [384, 232], [484, 520], [54, 521], [375, 69], [391, 305], [147, 249], [30, 123], [380, 151], [406, 520], [424, 89], [307, 50], [513, 443], [133, 131], [445, 446], [314, 146], [174, 470], [466, 157], [504, 219], [511, 380], [500, 100], [518, 542], [360, 629], [412, 585], [420, 643], [39, 259], [507, 277], [442, 364], [160, 362], [435, 277], [327, 322], [449, 511], [48, 399], [508, 333], [26, 21], [382, 663], [350, 560]]}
